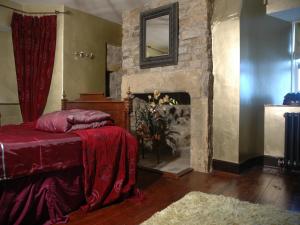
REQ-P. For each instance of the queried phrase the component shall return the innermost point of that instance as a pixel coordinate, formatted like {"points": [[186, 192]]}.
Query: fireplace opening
{"points": [[165, 134]]}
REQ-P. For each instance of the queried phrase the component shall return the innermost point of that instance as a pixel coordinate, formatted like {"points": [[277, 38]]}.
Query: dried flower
{"points": [[166, 99], [156, 94], [173, 102], [151, 118]]}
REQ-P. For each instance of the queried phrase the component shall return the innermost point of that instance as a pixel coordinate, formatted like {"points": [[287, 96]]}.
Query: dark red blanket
{"points": [[26, 151], [110, 162]]}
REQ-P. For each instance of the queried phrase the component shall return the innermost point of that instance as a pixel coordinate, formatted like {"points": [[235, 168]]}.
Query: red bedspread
{"points": [[109, 160], [25, 151]]}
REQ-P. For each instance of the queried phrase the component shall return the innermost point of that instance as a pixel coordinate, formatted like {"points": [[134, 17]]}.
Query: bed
{"points": [[44, 176]]}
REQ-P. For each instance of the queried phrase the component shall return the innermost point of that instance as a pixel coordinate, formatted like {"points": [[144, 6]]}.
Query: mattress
{"points": [[26, 151]]}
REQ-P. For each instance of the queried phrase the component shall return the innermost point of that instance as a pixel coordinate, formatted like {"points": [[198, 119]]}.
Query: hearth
{"points": [[172, 157]]}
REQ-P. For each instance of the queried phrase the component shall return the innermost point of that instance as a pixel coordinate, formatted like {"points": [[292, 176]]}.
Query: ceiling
{"points": [[107, 9]]}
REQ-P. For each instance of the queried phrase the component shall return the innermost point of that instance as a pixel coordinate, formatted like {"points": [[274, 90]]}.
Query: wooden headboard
{"points": [[119, 110]]}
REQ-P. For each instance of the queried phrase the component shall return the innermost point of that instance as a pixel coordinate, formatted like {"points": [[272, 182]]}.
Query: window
{"points": [[298, 75], [296, 56]]}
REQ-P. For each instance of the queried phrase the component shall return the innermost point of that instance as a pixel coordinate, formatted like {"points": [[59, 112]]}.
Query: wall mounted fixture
{"points": [[83, 54]]}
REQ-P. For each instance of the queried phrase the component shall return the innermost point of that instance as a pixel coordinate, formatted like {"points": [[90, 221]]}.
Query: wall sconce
{"points": [[83, 54]]}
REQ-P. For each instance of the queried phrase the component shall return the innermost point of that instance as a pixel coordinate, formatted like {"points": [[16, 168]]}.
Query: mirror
{"points": [[159, 36]]}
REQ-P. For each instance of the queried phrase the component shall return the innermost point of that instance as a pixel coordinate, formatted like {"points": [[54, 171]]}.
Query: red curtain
{"points": [[34, 41]]}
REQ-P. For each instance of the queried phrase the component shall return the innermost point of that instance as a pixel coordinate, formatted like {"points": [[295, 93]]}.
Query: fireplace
{"points": [[177, 82], [171, 153], [192, 74]]}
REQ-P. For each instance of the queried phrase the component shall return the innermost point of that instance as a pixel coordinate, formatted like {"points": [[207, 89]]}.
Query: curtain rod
{"points": [[21, 11]]}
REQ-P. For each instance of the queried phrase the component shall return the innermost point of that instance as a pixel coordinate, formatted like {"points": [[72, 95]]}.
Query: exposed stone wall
{"points": [[193, 73], [115, 80], [114, 65], [114, 58], [193, 31]]}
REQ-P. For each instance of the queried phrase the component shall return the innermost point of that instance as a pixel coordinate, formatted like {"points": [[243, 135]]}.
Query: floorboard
{"points": [[258, 185]]}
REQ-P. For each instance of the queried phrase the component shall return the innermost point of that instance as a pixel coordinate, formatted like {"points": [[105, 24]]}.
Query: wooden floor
{"points": [[265, 186]]}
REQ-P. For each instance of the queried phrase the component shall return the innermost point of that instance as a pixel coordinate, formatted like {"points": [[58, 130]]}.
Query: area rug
{"points": [[197, 208]]}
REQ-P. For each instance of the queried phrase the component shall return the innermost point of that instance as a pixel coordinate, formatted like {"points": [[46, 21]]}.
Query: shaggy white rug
{"points": [[197, 208]]}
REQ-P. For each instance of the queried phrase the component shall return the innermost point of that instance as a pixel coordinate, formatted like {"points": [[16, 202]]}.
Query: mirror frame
{"points": [[172, 57]]}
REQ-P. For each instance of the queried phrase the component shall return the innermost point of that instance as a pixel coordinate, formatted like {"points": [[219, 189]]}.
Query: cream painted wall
{"points": [[226, 70], [281, 5], [8, 84], [265, 75], [274, 129], [288, 10], [251, 68], [84, 32]]}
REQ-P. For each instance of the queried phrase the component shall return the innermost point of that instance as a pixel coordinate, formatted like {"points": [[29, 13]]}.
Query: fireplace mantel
{"points": [[189, 82]]}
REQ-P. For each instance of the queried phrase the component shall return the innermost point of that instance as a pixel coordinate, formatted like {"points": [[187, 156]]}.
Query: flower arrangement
{"points": [[152, 123]]}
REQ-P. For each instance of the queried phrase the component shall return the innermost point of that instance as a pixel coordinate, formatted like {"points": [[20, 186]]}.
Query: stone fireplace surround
{"points": [[180, 82], [192, 74]]}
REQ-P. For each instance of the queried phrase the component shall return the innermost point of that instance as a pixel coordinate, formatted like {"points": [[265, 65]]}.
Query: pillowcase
{"points": [[87, 116], [82, 126], [62, 121], [54, 122]]}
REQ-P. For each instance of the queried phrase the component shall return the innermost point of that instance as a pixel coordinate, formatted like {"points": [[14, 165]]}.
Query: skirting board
{"points": [[241, 167]]}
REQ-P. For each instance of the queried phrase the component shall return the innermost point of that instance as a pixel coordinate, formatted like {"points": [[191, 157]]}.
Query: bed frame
{"points": [[119, 110]]}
